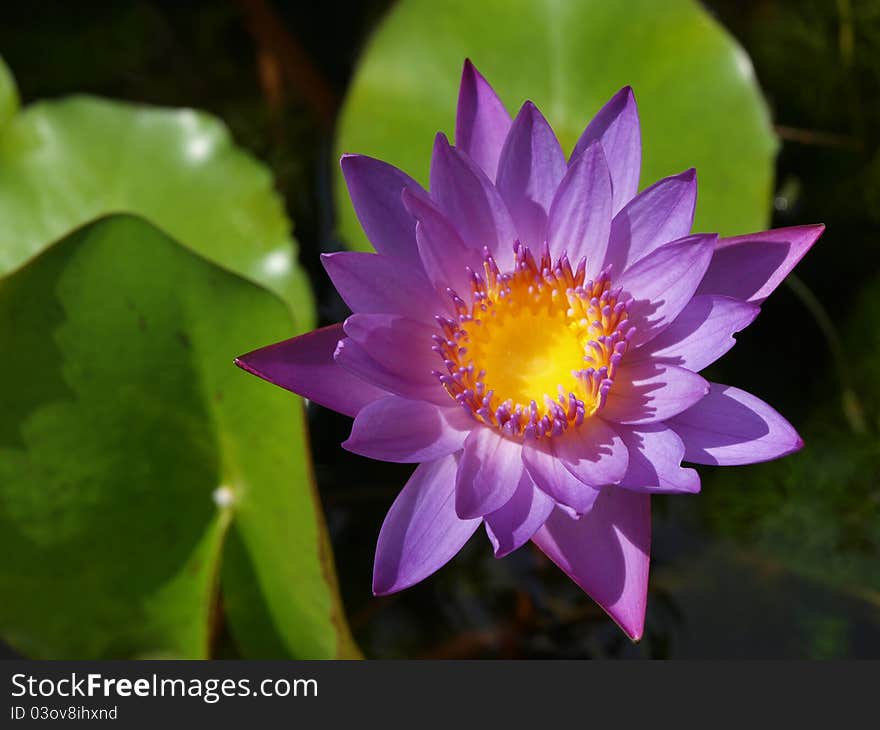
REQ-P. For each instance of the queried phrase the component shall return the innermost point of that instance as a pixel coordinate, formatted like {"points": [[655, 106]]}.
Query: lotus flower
{"points": [[530, 333]]}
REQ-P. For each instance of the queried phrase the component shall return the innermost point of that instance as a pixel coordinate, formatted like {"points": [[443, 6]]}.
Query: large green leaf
{"points": [[130, 446], [65, 163], [698, 100]]}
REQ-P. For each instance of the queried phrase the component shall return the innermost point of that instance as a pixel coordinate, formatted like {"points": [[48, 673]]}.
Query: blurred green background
{"points": [[155, 501]]}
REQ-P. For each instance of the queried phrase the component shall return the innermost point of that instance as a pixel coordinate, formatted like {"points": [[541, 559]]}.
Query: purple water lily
{"points": [[530, 333]]}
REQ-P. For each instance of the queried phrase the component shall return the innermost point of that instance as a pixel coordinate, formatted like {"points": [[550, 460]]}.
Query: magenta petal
{"points": [[421, 532], [531, 168], [375, 188], [511, 526], [655, 454], [471, 202], [443, 254], [659, 214], [607, 553], [647, 392], [552, 478], [374, 283], [663, 282], [701, 334], [579, 220], [750, 267], [730, 427], [616, 127], [407, 431], [488, 473], [481, 122], [305, 365]]}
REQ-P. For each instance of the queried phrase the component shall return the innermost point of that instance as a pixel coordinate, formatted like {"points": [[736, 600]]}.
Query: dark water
{"points": [[780, 560]]}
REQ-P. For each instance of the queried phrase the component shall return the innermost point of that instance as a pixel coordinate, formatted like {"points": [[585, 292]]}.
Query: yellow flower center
{"points": [[535, 351]]}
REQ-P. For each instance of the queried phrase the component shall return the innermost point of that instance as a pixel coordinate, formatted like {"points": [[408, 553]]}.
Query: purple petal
{"points": [[552, 478], [750, 267], [421, 532], [607, 553], [579, 220], [488, 473], [375, 188], [305, 365], [482, 122], [655, 454], [471, 202], [730, 427], [402, 347], [407, 431], [701, 334], [531, 167], [515, 523], [616, 127], [663, 282], [594, 453], [356, 360], [659, 214], [374, 283], [443, 254], [647, 392]]}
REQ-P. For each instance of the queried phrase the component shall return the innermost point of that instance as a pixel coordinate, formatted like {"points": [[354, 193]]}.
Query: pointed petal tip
{"points": [[410, 201], [243, 361], [530, 109], [732, 427], [635, 636], [633, 625], [349, 160], [818, 228], [627, 93], [470, 73], [624, 98], [607, 554], [379, 590], [347, 445], [497, 551], [464, 510]]}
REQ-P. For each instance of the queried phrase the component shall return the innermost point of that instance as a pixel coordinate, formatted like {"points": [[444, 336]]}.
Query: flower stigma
{"points": [[537, 349]]}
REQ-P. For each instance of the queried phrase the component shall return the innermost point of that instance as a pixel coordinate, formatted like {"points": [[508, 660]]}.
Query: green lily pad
{"points": [[131, 447], [67, 162], [699, 103]]}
